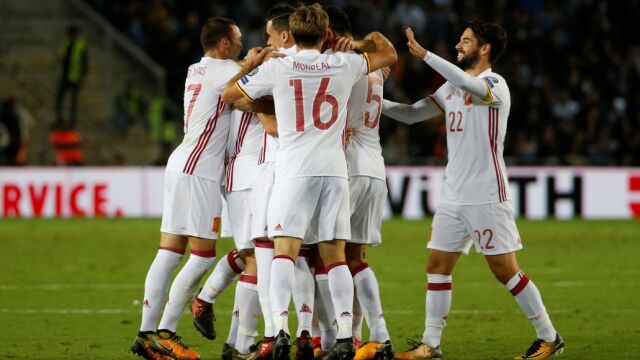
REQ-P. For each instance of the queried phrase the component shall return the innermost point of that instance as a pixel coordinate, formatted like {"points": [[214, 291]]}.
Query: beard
{"points": [[469, 60]]}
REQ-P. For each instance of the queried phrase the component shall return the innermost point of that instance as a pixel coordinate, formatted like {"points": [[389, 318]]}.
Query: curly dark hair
{"points": [[490, 33]]}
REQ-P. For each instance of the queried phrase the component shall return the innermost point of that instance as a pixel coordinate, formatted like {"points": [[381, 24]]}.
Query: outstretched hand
{"points": [[416, 49]]}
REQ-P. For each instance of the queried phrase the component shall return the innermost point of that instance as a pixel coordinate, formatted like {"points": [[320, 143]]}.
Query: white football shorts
{"points": [[297, 201], [192, 205], [239, 204], [491, 227], [368, 196], [262, 187]]}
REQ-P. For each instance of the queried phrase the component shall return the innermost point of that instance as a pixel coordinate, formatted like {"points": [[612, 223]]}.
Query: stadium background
{"points": [[68, 287]]}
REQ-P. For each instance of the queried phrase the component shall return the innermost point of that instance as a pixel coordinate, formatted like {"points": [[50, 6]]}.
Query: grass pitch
{"points": [[71, 289]]}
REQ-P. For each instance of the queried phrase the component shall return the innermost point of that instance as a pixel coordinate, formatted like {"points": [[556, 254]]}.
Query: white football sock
{"points": [[438, 304], [356, 327], [303, 294], [264, 257], [341, 286], [324, 310], [249, 312], [282, 273], [221, 277], [155, 286], [233, 325], [184, 285], [529, 299], [368, 294]]}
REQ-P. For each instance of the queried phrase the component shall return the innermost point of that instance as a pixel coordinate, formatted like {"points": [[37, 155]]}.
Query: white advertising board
{"points": [[414, 192]]}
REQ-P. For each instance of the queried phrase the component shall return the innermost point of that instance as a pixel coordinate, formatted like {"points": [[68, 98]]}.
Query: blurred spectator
{"points": [[74, 61], [573, 67], [129, 108], [10, 134], [65, 140], [162, 127]]}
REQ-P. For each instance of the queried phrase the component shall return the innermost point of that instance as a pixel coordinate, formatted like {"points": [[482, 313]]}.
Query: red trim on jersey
{"points": [[335, 264], [231, 259], [204, 253], [203, 139], [439, 286], [249, 279], [287, 257], [263, 151], [244, 126], [494, 127], [177, 251], [524, 280], [359, 268], [264, 244]]}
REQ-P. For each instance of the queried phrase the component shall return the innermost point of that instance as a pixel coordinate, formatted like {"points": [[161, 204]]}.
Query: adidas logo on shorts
{"points": [[278, 227]]}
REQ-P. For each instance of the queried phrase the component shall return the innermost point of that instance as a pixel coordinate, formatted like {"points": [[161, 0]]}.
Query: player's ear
{"points": [[285, 36], [484, 49]]}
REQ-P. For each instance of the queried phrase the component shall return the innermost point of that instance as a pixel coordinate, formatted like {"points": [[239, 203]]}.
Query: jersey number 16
{"points": [[320, 98]]}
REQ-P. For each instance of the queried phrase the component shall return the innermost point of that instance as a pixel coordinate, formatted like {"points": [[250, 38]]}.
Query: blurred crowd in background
{"points": [[573, 68]]}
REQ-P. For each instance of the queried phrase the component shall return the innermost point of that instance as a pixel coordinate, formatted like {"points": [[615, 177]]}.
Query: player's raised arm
{"points": [[422, 110], [380, 51], [254, 58], [449, 71]]}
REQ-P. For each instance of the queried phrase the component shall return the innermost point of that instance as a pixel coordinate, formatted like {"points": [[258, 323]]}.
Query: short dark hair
{"points": [[338, 20], [490, 33], [279, 17], [308, 24], [213, 30]]}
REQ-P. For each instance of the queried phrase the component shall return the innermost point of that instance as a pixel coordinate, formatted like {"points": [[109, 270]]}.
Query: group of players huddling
{"points": [[289, 136]]}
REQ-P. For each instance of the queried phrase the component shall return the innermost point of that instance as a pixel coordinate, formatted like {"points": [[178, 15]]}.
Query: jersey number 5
{"points": [[371, 97], [320, 98]]}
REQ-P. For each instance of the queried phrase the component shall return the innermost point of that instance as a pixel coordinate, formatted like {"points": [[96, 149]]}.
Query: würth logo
{"points": [[278, 227], [634, 187], [345, 314], [448, 97], [305, 309]]}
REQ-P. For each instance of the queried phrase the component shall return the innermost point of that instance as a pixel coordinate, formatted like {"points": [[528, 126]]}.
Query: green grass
{"points": [[68, 287]]}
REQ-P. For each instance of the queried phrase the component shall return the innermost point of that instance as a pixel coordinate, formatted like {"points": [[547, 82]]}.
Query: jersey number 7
{"points": [[320, 98]]}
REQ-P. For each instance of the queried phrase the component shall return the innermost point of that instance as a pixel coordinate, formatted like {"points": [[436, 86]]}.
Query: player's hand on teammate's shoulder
{"points": [[273, 55], [414, 47], [256, 56], [342, 44]]}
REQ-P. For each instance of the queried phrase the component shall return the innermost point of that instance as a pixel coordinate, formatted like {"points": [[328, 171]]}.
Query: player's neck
{"points": [[478, 69], [214, 54]]}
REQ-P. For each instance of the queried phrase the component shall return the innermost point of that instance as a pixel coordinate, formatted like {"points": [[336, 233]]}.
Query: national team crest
{"points": [[468, 100]]}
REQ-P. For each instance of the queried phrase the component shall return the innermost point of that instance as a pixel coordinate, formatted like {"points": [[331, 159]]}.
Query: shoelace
{"points": [[534, 347], [178, 340], [415, 344]]}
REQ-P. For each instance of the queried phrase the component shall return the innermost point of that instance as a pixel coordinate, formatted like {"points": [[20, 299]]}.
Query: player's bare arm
{"points": [[257, 106], [449, 71], [254, 58], [269, 122], [380, 50]]}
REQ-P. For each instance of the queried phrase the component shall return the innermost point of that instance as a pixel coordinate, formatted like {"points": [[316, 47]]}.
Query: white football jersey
{"points": [[206, 120], [364, 153], [475, 172], [245, 141], [310, 92]]}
